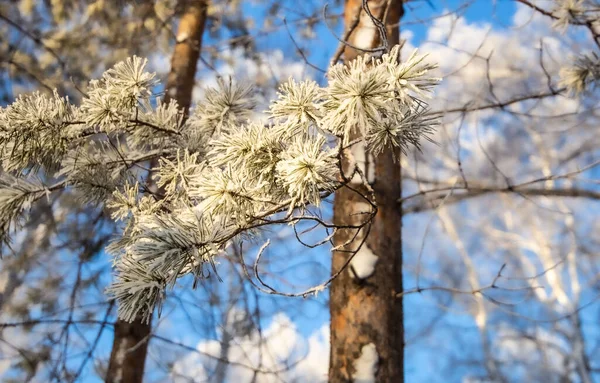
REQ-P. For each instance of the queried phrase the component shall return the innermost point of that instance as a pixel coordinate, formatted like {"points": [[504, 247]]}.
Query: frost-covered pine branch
{"points": [[35, 131], [584, 71], [16, 196], [583, 74], [574, 12], [219, 175]]}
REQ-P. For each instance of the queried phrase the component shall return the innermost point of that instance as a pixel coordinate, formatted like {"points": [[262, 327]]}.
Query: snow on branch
{"points": [[16, 196], [184, 189], [583, 74]]}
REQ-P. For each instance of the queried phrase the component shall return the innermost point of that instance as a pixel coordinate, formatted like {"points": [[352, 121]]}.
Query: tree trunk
{"points": [[367, 330], [128, 355], [180, 82], [130, 343]]}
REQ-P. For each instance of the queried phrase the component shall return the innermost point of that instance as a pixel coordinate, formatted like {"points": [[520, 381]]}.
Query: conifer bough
{"points": [[222, 174]]}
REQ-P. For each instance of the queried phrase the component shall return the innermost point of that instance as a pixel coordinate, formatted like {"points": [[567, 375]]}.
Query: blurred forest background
{"points": [[501, 236]]}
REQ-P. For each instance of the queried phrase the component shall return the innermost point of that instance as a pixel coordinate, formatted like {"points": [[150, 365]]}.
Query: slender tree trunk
{"points": [[130, 343], [128, 355], [367, 331], [180, 82]]}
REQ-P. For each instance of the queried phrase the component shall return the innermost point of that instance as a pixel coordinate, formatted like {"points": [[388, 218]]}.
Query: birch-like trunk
{"points": [[130, 343], [367, 331]]}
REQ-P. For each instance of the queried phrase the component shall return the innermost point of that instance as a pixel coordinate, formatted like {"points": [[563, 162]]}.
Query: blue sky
{"points": [[496, 13]]}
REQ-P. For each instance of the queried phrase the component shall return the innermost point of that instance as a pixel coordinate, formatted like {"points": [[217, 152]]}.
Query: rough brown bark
{"points": [[180, 82], [365, 312], [130, 344]]}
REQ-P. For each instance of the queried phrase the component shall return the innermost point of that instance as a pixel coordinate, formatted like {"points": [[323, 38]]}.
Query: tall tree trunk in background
{"points": [[367, 331], [180, 82], [131, 340]]}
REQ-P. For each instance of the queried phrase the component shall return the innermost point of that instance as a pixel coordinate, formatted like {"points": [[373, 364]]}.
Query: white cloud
{"points": [[538, 348], [462, 49], [282, 353]]}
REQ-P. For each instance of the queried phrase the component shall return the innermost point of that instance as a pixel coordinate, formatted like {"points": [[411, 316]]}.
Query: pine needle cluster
{"points": [[218, 175]]}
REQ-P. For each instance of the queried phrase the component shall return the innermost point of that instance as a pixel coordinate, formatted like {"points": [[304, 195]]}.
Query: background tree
{"points": [[366, 317]]}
